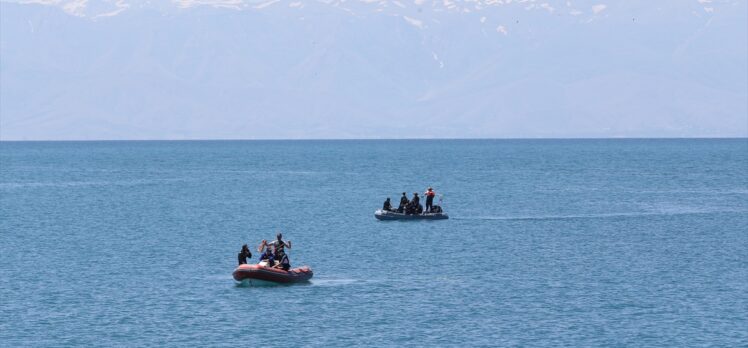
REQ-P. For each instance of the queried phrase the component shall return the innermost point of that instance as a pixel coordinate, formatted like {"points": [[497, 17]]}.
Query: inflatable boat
{"points": [[261, 274], [393, 215]]}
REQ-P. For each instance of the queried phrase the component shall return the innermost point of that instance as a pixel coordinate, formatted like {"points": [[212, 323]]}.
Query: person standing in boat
{"points": [[429, 199], [279, 246], [244, 255], [387, 206], [403, 203]]}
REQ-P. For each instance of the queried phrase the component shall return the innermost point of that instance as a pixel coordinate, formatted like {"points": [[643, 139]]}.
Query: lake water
{"points": [[549, 243]]}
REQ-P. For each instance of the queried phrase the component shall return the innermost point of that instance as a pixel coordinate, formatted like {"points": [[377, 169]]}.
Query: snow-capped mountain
{"points": [[372, 69]]}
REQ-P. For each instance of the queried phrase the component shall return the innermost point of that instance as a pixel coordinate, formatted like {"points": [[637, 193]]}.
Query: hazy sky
{"points": [[234, 69]]}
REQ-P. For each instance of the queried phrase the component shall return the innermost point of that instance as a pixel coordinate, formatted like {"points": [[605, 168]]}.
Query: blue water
{"points": [[550, 243]]}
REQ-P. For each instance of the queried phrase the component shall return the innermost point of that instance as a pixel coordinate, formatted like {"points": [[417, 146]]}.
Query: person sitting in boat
{"points": [[414, 204], [429, 199], [279, 246], [403, 203], [387, 206], [268, 255], [244, 254], [410, 209], [284, 263]]}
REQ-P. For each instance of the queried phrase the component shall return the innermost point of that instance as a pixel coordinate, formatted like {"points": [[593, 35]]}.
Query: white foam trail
{"points": [[596, 216], [333, 282]]}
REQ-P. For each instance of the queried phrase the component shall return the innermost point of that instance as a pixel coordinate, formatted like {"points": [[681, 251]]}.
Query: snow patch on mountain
{"points": [[414, 22], [126, 69]]}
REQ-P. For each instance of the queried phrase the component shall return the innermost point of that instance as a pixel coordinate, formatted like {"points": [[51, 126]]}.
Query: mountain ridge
{"points": [[206, 72]]}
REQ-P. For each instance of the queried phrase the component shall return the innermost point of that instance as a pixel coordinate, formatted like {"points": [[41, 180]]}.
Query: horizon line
{"points": [[375, 139]]}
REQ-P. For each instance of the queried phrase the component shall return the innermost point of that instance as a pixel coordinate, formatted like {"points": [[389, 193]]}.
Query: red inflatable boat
{"points": [[260, 274]]}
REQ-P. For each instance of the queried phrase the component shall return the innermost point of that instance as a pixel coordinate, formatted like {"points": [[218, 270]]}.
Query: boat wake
{"points": [[596, 216], [334, 282]]}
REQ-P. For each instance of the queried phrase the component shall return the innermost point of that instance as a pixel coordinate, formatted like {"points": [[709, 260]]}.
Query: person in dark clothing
{"points": [[284, 263], [403, 203], [387, 206], [414, 204], [268, 255], [244, 254], [430, 199]]}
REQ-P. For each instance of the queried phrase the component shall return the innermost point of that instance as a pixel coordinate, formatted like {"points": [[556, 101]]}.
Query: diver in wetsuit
{"points": [[244, 254], [416, 202], [387, 206], [403, 203]]}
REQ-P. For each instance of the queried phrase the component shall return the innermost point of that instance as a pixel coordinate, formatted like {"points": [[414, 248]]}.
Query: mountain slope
{"points": [[239, 69]]}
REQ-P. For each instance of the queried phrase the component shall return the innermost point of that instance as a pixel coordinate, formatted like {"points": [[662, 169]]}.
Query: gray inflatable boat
{"points": [[392, 215]]}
